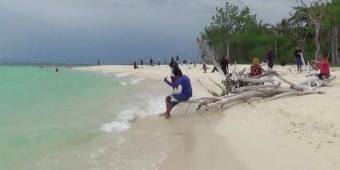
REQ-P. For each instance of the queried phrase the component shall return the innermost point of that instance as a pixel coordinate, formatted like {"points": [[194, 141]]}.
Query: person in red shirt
{"points": [[324, 68], [255, 68]]}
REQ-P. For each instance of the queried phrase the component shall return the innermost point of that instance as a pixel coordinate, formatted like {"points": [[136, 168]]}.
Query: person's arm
{"points": [[173, 85], [251, 71]]}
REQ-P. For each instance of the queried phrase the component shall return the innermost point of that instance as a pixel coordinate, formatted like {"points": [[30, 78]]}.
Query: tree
{"points": [[300, 26], [333, 22], [313, 28], [227, 21], [316, 13]]}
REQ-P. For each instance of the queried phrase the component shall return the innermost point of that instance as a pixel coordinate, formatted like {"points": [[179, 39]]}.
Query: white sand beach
{"points": [[293, 133]]}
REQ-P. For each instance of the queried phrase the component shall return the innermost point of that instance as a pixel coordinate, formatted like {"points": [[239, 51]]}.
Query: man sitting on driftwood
{"points": [[184, 95]]}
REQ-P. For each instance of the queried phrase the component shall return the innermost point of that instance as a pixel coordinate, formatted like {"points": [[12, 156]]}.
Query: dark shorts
{"points": [[299, 61], [172, 100]]}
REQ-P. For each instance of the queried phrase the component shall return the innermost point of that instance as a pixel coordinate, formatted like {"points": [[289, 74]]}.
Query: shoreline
{"points": [[185, 126], [290, 133]]}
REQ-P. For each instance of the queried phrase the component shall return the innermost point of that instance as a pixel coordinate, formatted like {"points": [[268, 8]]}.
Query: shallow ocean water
{"points": [[53, 120]]}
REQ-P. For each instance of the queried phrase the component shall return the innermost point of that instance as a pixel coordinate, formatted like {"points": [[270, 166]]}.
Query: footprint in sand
{"points": [[319, 146], [335, 135], [322, 112]]}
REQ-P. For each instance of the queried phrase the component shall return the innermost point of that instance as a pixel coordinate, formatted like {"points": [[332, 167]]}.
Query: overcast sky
{"points": [[116, 31]]}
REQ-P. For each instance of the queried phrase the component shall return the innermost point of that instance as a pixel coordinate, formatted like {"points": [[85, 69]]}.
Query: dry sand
{"points": [[294, 133]]}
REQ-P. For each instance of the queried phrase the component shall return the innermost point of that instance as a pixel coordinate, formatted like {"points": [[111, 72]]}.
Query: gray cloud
{"points": [[115, 30]]}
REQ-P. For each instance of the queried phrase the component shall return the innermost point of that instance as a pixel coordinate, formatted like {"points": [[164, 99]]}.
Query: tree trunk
{"points": [[304, 41], [336, 45], [276, 56], [334, 57], [335, 53], [228, 50], [317, 39]]}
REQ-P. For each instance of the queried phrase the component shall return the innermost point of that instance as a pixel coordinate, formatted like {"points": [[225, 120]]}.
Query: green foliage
{"points": [[332, 13], [230, 25], [248, 37]]}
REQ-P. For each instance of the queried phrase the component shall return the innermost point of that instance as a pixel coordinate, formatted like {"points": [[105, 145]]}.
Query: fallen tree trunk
{"points": [[266, 88], [247, 88]]}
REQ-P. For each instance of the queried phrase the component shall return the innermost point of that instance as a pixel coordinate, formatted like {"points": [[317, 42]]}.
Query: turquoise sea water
{"points": [[42, 111]]}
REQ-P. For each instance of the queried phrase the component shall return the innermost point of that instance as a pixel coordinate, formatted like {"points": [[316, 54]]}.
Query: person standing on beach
{"points": [[151, 62], [177, 58], [184, 95], [135, 65], [298, 59], [270, 58], [224, 65], [158, 62], [141, 62]]}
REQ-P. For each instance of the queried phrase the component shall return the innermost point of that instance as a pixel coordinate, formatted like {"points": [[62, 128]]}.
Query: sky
{"points": [[114, 31]]}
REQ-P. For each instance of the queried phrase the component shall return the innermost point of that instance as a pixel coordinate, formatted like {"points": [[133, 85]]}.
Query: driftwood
{"points": [[258, 87], [265, 88], [239, 87]]}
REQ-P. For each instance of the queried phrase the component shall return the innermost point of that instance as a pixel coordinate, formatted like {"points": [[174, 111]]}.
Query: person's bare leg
{"points": [[168, 110], [166, 106], [169, 107]]}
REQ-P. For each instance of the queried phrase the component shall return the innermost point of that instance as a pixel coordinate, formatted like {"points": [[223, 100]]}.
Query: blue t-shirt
{"points": [[185, 83]]}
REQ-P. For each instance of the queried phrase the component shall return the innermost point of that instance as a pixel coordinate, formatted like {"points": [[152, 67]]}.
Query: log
{"points": [[247, 88], [245, 96], [296, 93], [256, 81], [199, 100]]}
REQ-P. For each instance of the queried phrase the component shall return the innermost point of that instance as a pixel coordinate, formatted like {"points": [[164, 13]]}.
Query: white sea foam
{"points": [[134, 81], [122, 75], [115, 126], [152, 107], [123, 83]]}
